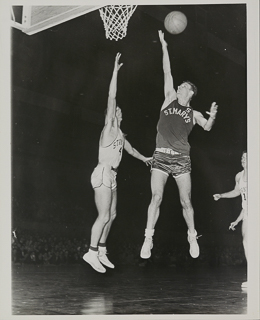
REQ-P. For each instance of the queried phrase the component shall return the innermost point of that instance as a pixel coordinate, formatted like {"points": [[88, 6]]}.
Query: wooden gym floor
{"points": [[127, 290]]}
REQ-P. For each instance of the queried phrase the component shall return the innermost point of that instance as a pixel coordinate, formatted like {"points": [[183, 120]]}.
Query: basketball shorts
{"points": [[103, 175], [175, 165]]}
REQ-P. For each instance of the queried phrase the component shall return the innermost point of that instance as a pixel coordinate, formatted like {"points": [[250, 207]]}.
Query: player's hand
{"points": [[161, 37], [213, 110], [148, 161], [216, 196], [117, 64], [232, 226]]}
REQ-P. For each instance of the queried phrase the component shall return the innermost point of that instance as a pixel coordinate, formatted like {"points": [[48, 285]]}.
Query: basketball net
{"points": [[115, 19]]}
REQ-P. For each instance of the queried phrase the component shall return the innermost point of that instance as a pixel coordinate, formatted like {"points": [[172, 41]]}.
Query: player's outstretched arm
{"points": [[111, 126], [133, 152], [169, 91], [230, 194], [111, 103], [204, 123]]}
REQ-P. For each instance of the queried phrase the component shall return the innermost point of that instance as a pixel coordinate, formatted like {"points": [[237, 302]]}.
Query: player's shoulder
{"points": [[110, 128], [238, 175], [168, 101], [196, 113], [197, 116]]}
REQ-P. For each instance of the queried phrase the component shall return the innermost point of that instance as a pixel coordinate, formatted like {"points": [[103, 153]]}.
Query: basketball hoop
{"points": [[115, 19]]}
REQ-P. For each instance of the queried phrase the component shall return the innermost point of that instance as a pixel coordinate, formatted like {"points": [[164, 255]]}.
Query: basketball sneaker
{"points": [[194, 247], [146, 248], [91, 257], [102, 256], [244, 285]]}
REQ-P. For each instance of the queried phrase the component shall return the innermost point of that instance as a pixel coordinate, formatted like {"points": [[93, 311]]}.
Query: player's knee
{"points": [[104, 219], [157, 198]]}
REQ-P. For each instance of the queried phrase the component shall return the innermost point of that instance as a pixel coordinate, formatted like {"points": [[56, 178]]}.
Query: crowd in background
{"points": [[45, 249]]}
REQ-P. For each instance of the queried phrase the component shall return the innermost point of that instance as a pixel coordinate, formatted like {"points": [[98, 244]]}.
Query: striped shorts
{"points": [[175, 165]]}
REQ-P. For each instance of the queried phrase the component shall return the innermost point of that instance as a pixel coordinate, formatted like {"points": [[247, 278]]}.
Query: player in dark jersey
{"points": [[172, 153], [239, 189], [103, 179]]}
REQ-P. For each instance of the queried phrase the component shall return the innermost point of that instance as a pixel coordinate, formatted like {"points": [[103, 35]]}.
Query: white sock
{"points": [[149, 233], [102, 249]]}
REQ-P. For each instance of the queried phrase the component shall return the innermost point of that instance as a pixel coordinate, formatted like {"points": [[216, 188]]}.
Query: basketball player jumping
{"points": [[240, 189], [103, 179], [172, 153]]}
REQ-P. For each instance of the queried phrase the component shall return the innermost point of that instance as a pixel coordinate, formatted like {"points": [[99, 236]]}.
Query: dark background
{"points": [[60, 80]]}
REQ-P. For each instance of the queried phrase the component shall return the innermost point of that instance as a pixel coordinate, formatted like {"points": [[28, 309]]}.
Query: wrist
{"points": [[213, 118]]}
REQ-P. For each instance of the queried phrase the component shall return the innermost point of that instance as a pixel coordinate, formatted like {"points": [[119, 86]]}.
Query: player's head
{"points": [[187, 90], [244, 159], [119, 114]]}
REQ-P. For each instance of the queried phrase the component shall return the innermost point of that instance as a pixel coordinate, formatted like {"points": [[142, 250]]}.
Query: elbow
{"points": [[207, 128]]}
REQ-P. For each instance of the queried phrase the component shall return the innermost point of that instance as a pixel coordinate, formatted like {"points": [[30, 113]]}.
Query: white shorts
{"points": [[103, 175]]}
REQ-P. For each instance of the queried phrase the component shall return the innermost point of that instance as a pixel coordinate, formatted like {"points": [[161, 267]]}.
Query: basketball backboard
{"points": [[33, 19]]}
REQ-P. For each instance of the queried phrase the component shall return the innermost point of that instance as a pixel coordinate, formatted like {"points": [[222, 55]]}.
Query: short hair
{"points": [[193, 87]]}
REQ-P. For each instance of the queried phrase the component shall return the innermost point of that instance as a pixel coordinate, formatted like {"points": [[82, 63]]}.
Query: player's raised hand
{"points": [[213, 110], [161, 37], [117, 64], [216, 196]]}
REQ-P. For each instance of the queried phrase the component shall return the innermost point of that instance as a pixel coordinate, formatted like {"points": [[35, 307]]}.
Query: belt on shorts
{"points": [[167, 150], [107, 165]]}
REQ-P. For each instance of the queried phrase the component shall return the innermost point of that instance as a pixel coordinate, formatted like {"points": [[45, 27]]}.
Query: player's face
{"points": [[244, 160], [184, 90]]}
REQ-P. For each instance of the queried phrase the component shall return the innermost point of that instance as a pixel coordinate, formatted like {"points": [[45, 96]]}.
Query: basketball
{"points": [[175, 22]]}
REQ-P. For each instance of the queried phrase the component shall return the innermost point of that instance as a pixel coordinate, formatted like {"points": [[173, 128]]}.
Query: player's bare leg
{"points": [[244, 235], [103, 200], [102, 250], [184, 186], [158, 181]]}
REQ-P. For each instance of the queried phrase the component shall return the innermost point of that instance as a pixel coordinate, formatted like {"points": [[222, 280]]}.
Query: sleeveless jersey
{"points": [[243, 190], [173, 128], [112, 154]]}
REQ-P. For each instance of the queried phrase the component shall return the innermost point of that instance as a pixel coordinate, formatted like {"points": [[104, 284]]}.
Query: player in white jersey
{"points": [[103, 179], [240, 189]]}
